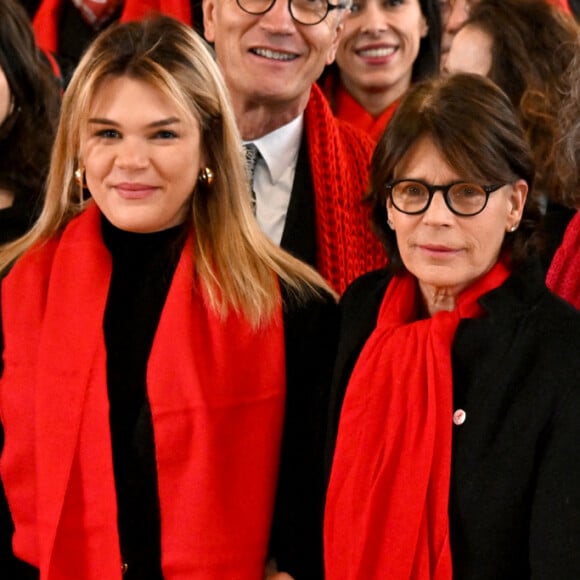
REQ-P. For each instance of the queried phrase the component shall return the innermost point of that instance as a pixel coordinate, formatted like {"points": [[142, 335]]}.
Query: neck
{"points": [[256, 118], [437, 299], [375, 100]]}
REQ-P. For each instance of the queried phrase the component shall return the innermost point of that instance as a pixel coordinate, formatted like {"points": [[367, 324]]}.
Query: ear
{"points": [[424, 27], [389, 206], [516, 203], [335, 42], [208, 19]]}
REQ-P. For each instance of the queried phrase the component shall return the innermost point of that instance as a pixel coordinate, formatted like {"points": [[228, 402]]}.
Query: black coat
{"points": [[514, 504], [310, 333]]}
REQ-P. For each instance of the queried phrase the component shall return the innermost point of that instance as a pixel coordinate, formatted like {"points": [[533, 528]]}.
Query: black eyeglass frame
{"points": [[329, 8], [444, 189]]}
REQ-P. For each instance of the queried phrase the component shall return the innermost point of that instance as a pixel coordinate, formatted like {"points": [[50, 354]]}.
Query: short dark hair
{"points": [[475, 127]]}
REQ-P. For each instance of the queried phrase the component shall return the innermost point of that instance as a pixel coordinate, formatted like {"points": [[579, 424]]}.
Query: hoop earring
{"points": [[206, 176]]}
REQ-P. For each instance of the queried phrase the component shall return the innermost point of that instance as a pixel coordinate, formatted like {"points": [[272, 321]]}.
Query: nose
{"points": [[375, 19], [438, 213], [131, 154], [278, 19], [458, 14]]}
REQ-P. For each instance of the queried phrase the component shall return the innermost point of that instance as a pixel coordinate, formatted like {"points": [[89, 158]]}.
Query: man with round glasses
{"points": [[311, 170]]}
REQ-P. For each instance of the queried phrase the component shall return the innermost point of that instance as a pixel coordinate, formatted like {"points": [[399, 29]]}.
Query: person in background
{"points": [[165, 366], [495, 41], [456, 12], [311, 172], [457, 446], [386, 45], [29, 107], [563, 276], [65, 28]]}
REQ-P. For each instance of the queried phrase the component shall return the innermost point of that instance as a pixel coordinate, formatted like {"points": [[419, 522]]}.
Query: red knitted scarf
{"points": [[47, 17], [386, 513], [564, 274], [350, 110], [340, 157], [216, 390]]}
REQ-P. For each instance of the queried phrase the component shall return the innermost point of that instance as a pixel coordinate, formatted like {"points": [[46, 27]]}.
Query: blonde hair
{"points": [[235, 262]]}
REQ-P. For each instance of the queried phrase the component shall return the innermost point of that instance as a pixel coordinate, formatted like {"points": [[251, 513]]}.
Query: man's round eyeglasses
{"points": [[412, 196], [308, 12]]}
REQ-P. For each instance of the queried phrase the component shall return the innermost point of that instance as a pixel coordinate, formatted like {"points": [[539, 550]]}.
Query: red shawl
{"points": [[386, 514], [350, 110], [564, 274], [47, 17], [216, 390], [340, 157]]}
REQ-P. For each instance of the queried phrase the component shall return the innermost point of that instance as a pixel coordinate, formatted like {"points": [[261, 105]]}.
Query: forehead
{"points": [[423, 160]]}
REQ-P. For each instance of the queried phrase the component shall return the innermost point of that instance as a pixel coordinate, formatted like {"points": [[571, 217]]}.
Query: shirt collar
{"points": [[279, 149]]}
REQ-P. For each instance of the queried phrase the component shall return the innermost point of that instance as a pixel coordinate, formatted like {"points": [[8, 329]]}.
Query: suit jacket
{"points": [[514, 503]]}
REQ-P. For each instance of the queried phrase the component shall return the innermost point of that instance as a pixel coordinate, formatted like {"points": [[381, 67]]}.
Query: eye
{"points": [[393, 3], [467, 191], [414, 190], [356, 7], [165, 134], [108, 134]]}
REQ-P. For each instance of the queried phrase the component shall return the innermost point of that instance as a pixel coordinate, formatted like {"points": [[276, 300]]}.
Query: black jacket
{"points": [[515, 482]]}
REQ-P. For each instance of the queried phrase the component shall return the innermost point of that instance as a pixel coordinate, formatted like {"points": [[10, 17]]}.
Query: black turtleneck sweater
{"points": [[143, 267]]}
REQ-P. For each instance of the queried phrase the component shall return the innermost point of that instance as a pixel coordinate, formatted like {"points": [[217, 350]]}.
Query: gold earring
{"points": [[80, 177], [206, 176]]}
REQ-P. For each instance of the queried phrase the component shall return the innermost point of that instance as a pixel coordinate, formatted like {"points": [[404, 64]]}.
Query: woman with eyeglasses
{"points": [[457, 449]]}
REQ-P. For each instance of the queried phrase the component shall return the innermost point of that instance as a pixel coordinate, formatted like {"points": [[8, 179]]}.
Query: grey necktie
{"points": [[252, 156]]}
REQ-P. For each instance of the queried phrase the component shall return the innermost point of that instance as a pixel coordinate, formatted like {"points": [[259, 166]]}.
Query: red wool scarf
{"points": [[564, 274], [386, 513], [47, 17], [216, 389]]}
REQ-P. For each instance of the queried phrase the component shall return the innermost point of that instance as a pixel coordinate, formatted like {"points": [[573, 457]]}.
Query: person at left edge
{"points": [[165, 364]]}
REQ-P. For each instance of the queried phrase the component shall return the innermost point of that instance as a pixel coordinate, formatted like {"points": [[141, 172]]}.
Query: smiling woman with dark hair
{"points": [[456, 393], [385, 46]]}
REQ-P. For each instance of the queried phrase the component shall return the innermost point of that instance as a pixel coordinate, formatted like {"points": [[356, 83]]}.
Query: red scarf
{"points": [[386, 514], [216, 389], [564, 274], [340, 155], [47, 17], [350, 110]]}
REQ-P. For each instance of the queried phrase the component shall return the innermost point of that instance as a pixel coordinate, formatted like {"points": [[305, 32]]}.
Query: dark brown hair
{"points": [[533, 44], [475, 128], [27, 134], [568, 145]]}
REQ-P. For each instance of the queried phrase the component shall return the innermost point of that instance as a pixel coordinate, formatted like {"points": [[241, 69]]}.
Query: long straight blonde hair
{"points": [[235, 262]]}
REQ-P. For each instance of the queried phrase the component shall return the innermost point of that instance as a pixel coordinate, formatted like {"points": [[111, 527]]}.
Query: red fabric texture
{"points": [[217, 416], [563, 276], [340, 157], [350, 110], [47, 17], [387, 504]]}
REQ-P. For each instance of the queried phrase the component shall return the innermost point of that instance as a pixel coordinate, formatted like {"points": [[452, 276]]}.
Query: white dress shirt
{"points": [[274, 176]]}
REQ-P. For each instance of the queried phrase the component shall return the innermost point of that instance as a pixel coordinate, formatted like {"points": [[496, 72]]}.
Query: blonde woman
{"points": [[164, 364]]}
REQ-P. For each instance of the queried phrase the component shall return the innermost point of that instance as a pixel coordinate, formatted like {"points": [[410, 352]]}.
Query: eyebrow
{"points": [[155, 124]]}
